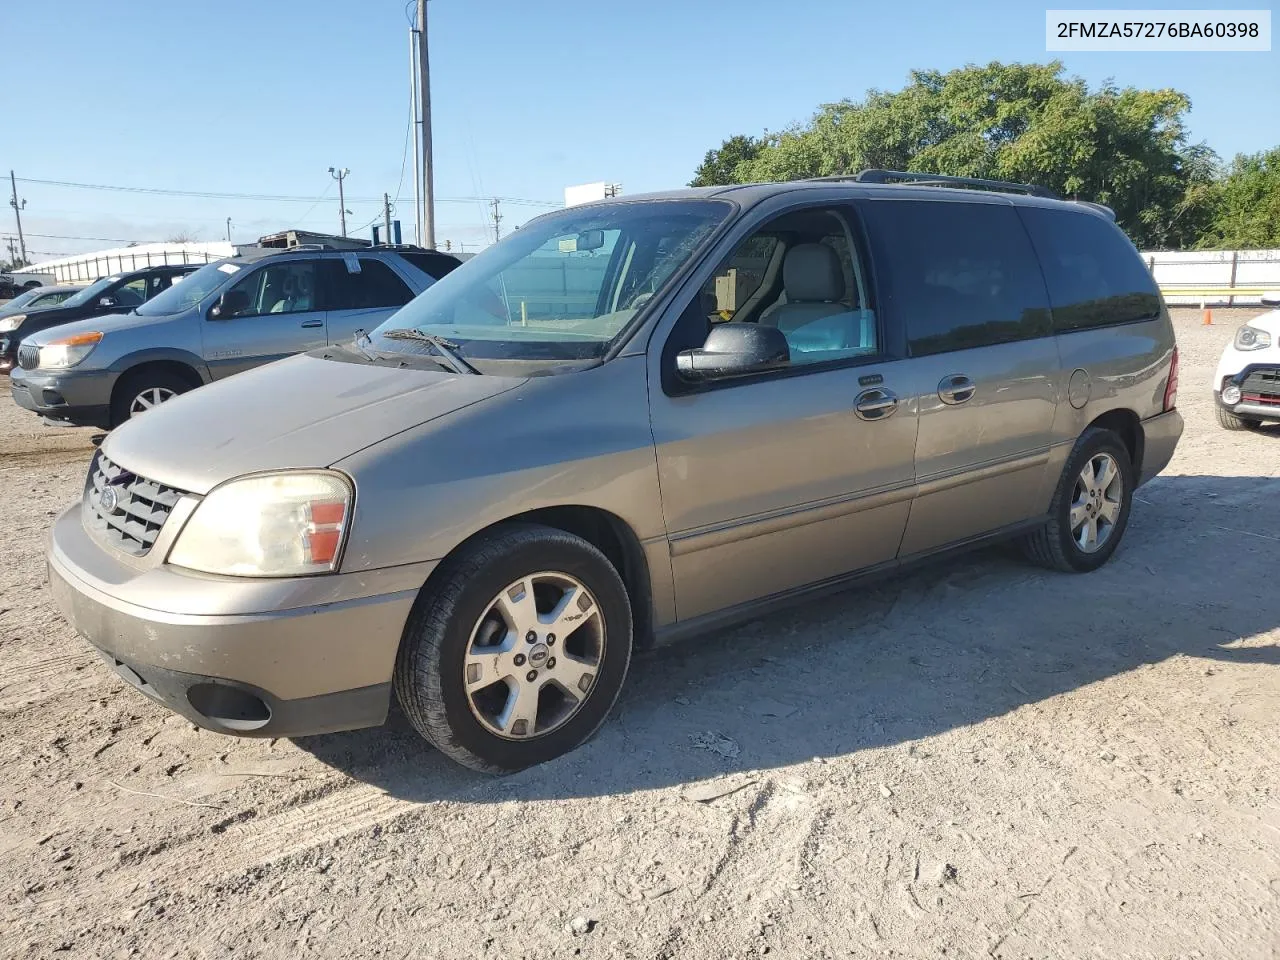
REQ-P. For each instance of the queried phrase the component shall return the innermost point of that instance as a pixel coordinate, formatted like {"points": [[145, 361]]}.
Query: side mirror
{"points": [[107, 302], [1271, 299], [735, 350], [229, 304]]}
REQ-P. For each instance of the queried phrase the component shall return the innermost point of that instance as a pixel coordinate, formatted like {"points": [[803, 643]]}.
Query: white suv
{"points": [[1247, 384]]}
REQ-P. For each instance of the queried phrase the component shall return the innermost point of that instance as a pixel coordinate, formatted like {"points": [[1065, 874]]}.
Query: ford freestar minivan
{"points": [[623, 422]]}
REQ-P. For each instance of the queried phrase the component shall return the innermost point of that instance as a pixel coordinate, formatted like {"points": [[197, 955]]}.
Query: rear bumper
{"points": [[78, 397], [1160, 438], [251, 658]]}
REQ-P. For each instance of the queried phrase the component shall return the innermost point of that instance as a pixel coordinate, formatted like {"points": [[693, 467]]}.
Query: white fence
{"points": [[1214, 268], [87, 267]]}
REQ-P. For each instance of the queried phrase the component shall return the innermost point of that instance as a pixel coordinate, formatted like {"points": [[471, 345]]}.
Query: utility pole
{"points": [[341, 175], [424, 94], [386, 215], [497, 220], [17, 213], [228, 229]]}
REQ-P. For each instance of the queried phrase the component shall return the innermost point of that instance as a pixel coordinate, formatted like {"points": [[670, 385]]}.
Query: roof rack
{"points": [[943, 180]]}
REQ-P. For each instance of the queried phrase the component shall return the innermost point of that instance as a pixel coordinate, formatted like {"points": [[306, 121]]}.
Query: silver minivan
{"points": [[224, 318], [625, 422]]}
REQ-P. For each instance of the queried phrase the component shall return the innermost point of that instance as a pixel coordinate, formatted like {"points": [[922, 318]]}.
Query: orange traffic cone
{"points": [[1208, 317]]}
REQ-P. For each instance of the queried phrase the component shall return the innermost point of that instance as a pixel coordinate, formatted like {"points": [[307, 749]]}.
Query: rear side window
{"points": [[376, 285], [432, 264], [1095, 275], [959, 275]]}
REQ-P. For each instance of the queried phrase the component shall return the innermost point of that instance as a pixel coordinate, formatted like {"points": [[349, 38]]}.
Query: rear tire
{"points": [[1229, 421], [466, 661], [136, 390], [1063, 543]]}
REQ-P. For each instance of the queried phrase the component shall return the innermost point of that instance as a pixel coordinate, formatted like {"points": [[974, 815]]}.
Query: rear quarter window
{"points": [[958, 275], [432, 264], [1095, 276]]}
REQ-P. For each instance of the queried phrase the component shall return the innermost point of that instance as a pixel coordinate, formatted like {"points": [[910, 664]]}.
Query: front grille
{"points": [[1262, 386], [141, 506], [28, 356]]}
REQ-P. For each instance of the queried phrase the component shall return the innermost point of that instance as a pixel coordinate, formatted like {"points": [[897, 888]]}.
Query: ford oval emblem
{"points": [[109, 499]]}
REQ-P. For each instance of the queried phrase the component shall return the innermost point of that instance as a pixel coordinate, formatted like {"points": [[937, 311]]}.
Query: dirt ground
{"points": [[979, 760]]}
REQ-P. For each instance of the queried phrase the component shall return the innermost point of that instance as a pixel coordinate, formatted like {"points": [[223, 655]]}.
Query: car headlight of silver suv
{"points": [[1252, 338], [268, 525], [66, 352], [10, 323]]}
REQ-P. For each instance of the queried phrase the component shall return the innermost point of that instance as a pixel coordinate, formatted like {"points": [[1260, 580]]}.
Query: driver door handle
{"points": [[308, 324], [956, 388], [875, 404]]}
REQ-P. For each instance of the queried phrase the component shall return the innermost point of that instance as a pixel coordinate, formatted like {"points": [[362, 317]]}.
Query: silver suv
{"points": [[225, 317], [624, 422]]}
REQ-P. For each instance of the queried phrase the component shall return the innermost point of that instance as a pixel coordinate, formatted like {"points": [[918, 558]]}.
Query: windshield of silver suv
{"points": [[563, 287], [191, 290]]}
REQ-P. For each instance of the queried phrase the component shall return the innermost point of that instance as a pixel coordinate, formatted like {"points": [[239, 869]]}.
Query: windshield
{"points": [[89, 292], [21, 300], [562, 287], [193, 288]]}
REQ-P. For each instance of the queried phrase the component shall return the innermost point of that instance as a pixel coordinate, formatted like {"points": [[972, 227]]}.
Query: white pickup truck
{"points": [[12, 284]]}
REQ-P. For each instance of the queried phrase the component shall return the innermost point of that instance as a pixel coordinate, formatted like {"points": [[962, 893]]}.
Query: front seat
{"points": [[814, 284]]}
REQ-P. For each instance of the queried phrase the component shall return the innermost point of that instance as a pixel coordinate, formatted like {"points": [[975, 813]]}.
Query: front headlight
{"points": [[67, 351], [272, 525], [1251, 338], [12, 322]]}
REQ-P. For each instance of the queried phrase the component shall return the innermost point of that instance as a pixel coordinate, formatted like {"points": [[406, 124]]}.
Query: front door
{"points": [[282, 318], [795, 476], [961, 279], [359, 293]]}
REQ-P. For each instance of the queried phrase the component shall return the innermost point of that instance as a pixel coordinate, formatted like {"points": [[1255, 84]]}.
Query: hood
{"points": [[304, 411], [105, 322]]}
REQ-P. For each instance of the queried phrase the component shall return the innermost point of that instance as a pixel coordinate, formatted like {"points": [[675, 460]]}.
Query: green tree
{"points": [[1127, 148], [721, 165], [1246, 205]]}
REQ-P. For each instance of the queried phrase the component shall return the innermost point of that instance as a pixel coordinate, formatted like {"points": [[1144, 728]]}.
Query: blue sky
{"points": [[250, 96]]}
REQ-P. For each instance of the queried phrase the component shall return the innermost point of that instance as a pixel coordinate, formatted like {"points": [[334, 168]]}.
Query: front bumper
{"points": [[1160, 435], [81, 397], [1259, 400], [267, 658]]}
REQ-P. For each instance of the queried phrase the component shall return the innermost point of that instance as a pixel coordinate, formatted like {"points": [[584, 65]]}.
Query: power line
{"points": [[274, 198]]}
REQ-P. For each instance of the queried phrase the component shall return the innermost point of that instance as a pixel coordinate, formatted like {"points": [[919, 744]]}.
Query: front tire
{"points": [[139, 392], [1229, 421], [517, 650], [1090, 508]]}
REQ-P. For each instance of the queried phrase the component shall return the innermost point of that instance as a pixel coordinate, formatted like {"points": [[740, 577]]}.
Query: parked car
{"points": [[1246, 388], [624, 422], [37, 298], [118, 293], [12, 284], [227, 317]]}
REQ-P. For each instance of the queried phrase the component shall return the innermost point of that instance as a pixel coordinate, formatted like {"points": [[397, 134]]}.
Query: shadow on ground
{"points": [[950, 645]]}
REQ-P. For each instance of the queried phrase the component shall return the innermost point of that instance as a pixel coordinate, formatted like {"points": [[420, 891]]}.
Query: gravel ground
{"points": [[978, 760]]}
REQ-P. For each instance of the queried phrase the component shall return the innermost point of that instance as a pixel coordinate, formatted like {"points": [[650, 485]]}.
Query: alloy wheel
{"points": [[1096, 502], [151, 397], [533, 655]]}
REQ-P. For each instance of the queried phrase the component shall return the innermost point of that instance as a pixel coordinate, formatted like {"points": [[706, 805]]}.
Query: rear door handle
{"points": [[309, 324], [956, 388], [875, 404]]}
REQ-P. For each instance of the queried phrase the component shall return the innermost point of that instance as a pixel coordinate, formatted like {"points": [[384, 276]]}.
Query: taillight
{"points": [[1171, 388]]}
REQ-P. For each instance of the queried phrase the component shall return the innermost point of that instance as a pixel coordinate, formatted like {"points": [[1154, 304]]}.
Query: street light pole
{"points": [[341, 175], [228, 229], [424, 85]]}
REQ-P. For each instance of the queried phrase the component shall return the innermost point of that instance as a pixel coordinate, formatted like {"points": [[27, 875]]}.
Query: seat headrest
{"points": [[811, 274]]}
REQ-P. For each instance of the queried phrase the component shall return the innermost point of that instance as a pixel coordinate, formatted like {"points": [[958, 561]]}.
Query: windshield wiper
{"points": [[442, 346]]}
